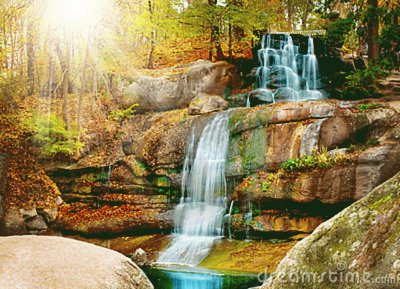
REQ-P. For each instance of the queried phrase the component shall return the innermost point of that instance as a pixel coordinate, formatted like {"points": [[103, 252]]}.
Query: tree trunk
{"points": [[30, 60], [230, 42], [211, 47], [290, 15], [305, 16], [214, 38], [83, 88], [66, 66], [150, 63], [52, 66], [218, 47], [238, 32], [373, 32]]}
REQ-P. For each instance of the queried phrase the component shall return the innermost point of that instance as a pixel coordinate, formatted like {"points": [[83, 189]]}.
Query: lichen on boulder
{"points": [[174, 88], [205, 103], [359, 245]]}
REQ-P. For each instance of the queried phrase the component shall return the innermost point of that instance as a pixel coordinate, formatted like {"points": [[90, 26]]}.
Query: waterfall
{"points": [[199, 215], [285, 74]]}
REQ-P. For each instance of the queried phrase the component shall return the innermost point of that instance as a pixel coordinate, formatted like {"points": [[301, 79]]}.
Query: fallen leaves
{"points": [[27, 183]]}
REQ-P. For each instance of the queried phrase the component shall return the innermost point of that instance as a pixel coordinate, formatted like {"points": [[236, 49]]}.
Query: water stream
{"points": [[198, 279], [285, 74], [199, 216]]}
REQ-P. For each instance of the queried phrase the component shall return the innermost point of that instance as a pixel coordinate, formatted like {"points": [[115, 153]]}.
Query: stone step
{"points": [[396, 72], [384, 84], [390, 92], [393, 80], [396, 89]]}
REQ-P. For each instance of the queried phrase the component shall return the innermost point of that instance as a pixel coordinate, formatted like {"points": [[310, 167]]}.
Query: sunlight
{"points": [[74, 14]]}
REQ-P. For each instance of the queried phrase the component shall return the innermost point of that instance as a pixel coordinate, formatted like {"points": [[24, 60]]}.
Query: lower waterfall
{"points": [[199, 216]]}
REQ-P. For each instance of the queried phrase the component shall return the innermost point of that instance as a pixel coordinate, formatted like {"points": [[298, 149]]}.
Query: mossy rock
{"points": [[248, 152], [362, 239]]}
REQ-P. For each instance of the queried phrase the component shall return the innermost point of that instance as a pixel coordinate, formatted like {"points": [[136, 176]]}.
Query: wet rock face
{"points": [[275, 221], [360, 241], [344, 182], [146, 162], [180, 85], [34, 262], [264, 137]]}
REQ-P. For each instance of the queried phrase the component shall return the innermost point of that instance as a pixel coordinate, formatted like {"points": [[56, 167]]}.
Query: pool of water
{"points": [[196, 278]]}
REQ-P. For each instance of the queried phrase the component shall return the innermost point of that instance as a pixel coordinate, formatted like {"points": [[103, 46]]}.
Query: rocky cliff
{"points": [[290, 165], [131, 182], [358, 248]]}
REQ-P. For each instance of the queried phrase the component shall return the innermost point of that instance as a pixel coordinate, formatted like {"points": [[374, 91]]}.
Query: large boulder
{"points": [[179, 85], [358, 248], [205, 103], [54, 262]]}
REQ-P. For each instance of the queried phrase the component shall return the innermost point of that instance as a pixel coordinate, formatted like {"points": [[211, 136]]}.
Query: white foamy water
{"points": [[199, 216], [278, 78]]}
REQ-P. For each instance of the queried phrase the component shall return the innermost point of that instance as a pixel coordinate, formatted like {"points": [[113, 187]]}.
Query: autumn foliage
{"points": [[27, 183]]}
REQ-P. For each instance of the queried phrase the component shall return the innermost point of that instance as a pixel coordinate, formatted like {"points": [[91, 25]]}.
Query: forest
{"points": [[220, 144]]}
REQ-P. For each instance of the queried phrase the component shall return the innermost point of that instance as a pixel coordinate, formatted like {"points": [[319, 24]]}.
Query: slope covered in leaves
{"points": [[28, 185]]}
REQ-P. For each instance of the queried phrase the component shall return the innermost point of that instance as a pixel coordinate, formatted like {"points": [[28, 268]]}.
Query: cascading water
{"points": [[199, 216], [228, 220], [278, 78]]}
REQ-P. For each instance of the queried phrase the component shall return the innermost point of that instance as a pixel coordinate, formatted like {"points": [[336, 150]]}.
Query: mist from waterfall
{"points": [[285, 74], [199, 216]]}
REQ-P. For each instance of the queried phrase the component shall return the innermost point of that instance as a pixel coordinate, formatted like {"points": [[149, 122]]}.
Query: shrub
{"points": [[123, 114], [265, 186], [321, 160], [51, 134], [361, 83], [361, 147], [337, 30], [367, 106]]}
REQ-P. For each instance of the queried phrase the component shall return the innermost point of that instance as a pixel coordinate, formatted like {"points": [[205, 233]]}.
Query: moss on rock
{"points": [[362, 239]]}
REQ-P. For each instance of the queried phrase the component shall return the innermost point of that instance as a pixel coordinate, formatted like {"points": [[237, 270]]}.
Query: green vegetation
{"points": [[320, 160], [123, 114], [51, 134], [255, 211], [368, 28], [362, 147], [381, 202], [367, 106], [265, 186], [336, 30], [362, 83]]}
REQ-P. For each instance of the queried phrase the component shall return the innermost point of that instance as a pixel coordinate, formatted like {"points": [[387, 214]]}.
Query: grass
{"points": [[367, 106]]}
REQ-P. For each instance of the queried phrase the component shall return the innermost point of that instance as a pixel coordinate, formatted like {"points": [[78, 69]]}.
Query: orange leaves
{"points": [[79, 214], [27, 183]]}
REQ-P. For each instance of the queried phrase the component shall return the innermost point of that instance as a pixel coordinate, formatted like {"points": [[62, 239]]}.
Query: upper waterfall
{"points": [[199, 215], [285, 74]]}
